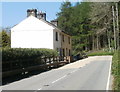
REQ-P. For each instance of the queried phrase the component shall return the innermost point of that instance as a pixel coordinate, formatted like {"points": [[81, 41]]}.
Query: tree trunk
{"points": [[114, 27], [97, 42], [93, 45], [108, 36], [117, 26]]}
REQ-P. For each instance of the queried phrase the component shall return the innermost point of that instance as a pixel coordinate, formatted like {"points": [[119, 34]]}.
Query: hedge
{"points": [[19, 58], [9, 54]]}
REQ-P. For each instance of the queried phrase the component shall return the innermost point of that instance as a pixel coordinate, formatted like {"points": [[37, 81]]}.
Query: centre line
{"points": [[59, 79], [73, 71]]}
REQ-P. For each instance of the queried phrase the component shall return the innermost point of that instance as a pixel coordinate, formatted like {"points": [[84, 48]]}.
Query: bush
{"points": [[20, 58], [9, 54], [116, 70]]}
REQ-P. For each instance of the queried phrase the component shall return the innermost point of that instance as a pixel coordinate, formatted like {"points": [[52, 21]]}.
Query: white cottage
{"points": [[36, 32]]}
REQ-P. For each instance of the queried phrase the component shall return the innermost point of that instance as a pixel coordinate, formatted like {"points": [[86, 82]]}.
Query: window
{"points": [[66, 52], [60, 51], [63, 38], [63, 52], [69, 52], [69, 40], [56, 35], [57, 49]]}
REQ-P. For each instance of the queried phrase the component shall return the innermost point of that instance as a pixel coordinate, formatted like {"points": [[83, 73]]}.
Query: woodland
{"points": [[92, 25]]}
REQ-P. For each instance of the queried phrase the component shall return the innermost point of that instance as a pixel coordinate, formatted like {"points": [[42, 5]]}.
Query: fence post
{"points": [[49, 60], [69, 59], [53, 59]]}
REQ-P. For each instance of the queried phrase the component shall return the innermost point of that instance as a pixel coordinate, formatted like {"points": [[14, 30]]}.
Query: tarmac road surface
{"points": [[92, 73]]}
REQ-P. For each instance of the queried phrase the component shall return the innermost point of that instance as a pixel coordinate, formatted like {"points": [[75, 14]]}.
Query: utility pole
{"points": [[114, 27], [118, 44]]}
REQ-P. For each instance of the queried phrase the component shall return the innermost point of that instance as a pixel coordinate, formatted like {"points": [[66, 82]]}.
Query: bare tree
{"points": [[117, 25], [114, 28]]}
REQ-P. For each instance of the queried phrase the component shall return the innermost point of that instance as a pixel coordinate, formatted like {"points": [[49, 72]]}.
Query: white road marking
{"points": [[73, 71], [108, 81], [38, 89], [0, 89], [63, 77], [59, 79]]}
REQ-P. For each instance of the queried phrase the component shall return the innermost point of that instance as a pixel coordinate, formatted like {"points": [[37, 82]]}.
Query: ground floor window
{"points": [[57, 49], [66, 52], [63, 52]]}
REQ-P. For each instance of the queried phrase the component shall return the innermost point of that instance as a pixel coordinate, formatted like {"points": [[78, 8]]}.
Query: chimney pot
{"points": [[54, 22], [32, 12]]}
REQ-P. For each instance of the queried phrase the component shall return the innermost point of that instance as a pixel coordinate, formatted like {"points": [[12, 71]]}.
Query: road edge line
{"points": [[109, 75]]}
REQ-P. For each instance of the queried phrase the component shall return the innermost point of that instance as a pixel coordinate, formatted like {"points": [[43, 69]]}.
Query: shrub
{"points": [[20, 58], [9, 54]]}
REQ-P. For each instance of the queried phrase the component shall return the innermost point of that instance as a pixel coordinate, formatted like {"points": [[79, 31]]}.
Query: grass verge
{"points": [[116, 70], [100, 53]]}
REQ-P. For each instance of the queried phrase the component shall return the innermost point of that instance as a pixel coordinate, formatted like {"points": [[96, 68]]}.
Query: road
{"points": [[92, 73]]}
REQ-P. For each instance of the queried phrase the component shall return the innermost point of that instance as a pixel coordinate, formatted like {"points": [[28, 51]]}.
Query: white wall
{"points": [[35, 33], [32, 39]]}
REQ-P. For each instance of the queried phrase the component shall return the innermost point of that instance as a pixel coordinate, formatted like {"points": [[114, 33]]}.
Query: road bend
{"points": [[92, 73]]}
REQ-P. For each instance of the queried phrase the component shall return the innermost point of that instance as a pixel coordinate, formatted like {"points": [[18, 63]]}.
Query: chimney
{"points": [[54, 22], [32, 12], [41, 15]]}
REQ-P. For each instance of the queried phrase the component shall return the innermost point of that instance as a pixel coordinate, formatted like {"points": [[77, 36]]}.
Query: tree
{"points": [[64, 16], [75, 21], [117, 20], [90, 24], [101, 17], [4, 39]]}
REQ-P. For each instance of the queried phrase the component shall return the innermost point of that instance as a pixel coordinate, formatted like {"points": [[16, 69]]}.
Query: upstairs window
{"points": [[56, 36], [63, 38], [69, 52]]}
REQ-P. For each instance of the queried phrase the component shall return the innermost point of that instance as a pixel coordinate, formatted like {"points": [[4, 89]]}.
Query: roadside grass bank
{"points": [[100, 53], [116, 70]]}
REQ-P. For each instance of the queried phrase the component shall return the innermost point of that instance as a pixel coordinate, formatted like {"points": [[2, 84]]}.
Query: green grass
{"points": [[100, 53], [116, 70]]}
